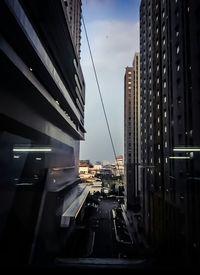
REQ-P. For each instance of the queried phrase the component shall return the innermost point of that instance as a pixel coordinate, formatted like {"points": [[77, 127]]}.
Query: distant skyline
{"points": [[113, 30]]}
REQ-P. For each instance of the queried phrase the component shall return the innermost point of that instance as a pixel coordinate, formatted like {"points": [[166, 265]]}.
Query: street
{"points": [[105, 244]]}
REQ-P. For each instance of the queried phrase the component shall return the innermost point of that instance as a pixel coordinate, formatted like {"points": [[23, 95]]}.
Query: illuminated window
{"points": [[177, 49], [163, 28]]}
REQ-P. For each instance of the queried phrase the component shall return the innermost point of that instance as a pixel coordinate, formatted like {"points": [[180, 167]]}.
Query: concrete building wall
{"points": [[132, 133], [168, 44]]}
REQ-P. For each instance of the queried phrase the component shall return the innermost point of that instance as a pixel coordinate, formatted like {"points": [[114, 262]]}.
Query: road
{"points": [[104, 244], [97, 239]]}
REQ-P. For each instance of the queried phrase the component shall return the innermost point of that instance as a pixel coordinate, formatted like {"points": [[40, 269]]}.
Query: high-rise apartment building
{"points": [[132, 133], [42, 97], [73, 8], [170, 132]]}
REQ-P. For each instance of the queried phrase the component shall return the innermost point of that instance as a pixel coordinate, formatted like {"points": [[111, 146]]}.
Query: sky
{"points": [[113, 31]]}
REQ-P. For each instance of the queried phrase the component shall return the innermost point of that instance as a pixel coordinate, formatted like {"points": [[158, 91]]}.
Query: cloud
{"points": [[113, 45]]}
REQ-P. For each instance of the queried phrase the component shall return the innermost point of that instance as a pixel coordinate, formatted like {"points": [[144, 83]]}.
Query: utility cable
{"points": [[100, 94]]}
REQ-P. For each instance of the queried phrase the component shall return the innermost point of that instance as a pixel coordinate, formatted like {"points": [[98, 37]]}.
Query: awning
{"points": [[72, 211]]}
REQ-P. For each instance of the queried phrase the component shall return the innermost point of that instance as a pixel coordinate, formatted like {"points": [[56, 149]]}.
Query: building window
{"points": [[179, 118], [164, 69], [158, 133], [165, 129], [177, 13], [177, 49], [179, 100], [164, 84], [158, 120], [158, 146], [164, 42], [165, 144], [163, 14], [163, 28], [165, 114], [165, 99]]}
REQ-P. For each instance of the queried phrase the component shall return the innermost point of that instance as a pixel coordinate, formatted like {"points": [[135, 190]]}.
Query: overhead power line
{"points": [[100, 94]]}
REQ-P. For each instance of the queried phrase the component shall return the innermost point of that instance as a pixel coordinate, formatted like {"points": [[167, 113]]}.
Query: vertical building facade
{"points": [[73, 9], [169, 50], [132, 134], [42, 97]]}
